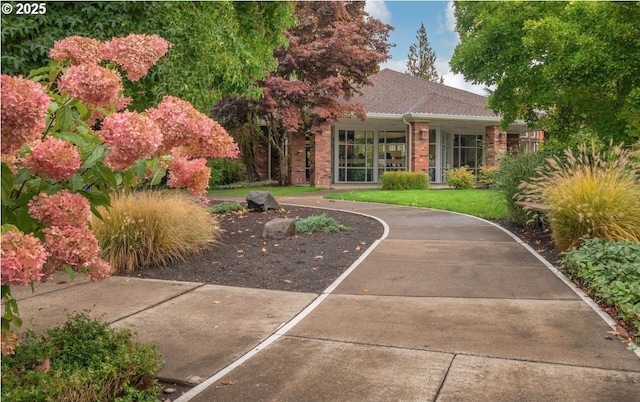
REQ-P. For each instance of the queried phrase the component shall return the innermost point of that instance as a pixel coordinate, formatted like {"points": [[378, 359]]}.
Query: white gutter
{"points": [[409, 145]]}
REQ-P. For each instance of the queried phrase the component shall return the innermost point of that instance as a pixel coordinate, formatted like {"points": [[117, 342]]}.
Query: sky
{"points": [[439, 21]]}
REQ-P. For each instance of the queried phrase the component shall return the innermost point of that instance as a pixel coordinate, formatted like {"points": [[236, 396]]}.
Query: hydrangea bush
{"points": [[68, 142]]}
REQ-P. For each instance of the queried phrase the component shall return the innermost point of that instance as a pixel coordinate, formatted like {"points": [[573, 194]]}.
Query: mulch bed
{"points": [[303, 263]]}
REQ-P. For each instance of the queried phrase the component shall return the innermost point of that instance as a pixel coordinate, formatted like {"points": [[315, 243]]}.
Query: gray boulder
{"points": [[261, 201], [279, 228]]}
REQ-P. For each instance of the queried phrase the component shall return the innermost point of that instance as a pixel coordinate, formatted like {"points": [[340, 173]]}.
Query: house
{"points": [[412, 125]]}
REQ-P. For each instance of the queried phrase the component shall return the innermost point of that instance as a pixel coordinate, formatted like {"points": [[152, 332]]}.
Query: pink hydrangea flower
{"points": [[183, 125], [130, 136], [93, 85], [213, 143], [74, 246], [54, 159], [79, 49], [23, 256], [136, 53], [62, 209], [121, 104], [99, 270], [24, 106], [191, 174]]}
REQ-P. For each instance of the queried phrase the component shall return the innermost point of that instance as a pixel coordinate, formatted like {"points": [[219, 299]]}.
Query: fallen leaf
{"points": [[314, 269], [538, 242], [45, 366], [227, 383], [345, 251], [264, 249], [318, 257], [240, 251], [365, 288], [217, 302], [357, 248]]}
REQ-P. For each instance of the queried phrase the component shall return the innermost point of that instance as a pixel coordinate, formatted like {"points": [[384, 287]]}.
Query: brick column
{"points": [[321, 159], [420, 147], [297, 159], [495, 144]]}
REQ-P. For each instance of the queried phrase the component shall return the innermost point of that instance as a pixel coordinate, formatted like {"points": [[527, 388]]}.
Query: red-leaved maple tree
{"points": [[331, 53]]}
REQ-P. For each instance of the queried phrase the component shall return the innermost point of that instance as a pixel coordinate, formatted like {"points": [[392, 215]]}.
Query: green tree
{"points": [[569, 67], [422, 58], [221, 47]]}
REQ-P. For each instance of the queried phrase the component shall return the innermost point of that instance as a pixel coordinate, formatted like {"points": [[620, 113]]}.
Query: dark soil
{"points": [[303, 263]]}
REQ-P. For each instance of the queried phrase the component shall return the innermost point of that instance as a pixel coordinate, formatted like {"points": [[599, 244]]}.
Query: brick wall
{"points": [[495, 144], [321, 159], [297, 159], [420, 147]]}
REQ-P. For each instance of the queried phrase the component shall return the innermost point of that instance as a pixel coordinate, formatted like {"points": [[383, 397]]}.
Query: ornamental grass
{"points": [[591, 194], [153, 228]]}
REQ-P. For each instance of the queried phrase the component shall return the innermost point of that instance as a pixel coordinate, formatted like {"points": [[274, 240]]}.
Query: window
{"points": [[467, 151]]}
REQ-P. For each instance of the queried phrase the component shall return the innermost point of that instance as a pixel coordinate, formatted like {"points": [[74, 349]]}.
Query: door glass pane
{"points": [[355, 155]]}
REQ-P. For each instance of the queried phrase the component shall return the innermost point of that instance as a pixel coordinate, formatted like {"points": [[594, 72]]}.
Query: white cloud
{"points": [[396, 65], [450, 18], [378, 9], [457, 81], [450, 79]]}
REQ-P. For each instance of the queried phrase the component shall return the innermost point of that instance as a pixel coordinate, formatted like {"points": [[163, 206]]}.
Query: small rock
{"points": [[261, 201], [279, 228], [169, 390]]}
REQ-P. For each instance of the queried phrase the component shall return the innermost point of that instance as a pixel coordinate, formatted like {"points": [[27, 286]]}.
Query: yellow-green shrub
{"points": [[153, 228], [404, 181], [461, 178], [488, 174], [590, 194]]}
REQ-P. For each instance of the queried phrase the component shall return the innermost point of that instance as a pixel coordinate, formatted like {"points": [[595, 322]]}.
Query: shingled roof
{"points": [[393, 92]]}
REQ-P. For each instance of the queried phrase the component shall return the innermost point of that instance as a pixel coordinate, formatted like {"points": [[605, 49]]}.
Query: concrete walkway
{"points": [[445, 308]]}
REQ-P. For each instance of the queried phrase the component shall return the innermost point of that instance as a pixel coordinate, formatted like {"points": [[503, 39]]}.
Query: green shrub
{"points": [[461, 178], [515, 169], [89, 360], [591, 194], [488, 175], [226, 171], [153, 228], [404, 181], [317, 223], [226, 207], [610, 270]]}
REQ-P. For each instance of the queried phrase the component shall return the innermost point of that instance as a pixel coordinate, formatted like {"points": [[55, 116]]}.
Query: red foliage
{"points": [[331, 54]]}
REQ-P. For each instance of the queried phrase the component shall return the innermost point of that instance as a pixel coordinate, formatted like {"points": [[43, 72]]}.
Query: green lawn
{"points": [[486, 204], [275, 190]]}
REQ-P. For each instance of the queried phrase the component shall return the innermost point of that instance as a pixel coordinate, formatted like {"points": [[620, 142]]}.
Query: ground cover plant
{"points": [[83, 360], [317, 223], [609, 271], [152, 228], [486, 204], [226, 206]]}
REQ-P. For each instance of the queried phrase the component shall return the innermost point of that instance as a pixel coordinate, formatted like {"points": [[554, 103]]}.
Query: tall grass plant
{"points": [[153, 228], [594, 194], [515, 169]]}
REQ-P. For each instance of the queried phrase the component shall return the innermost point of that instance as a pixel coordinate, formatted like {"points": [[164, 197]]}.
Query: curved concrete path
{"points": [[445, 308]]}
